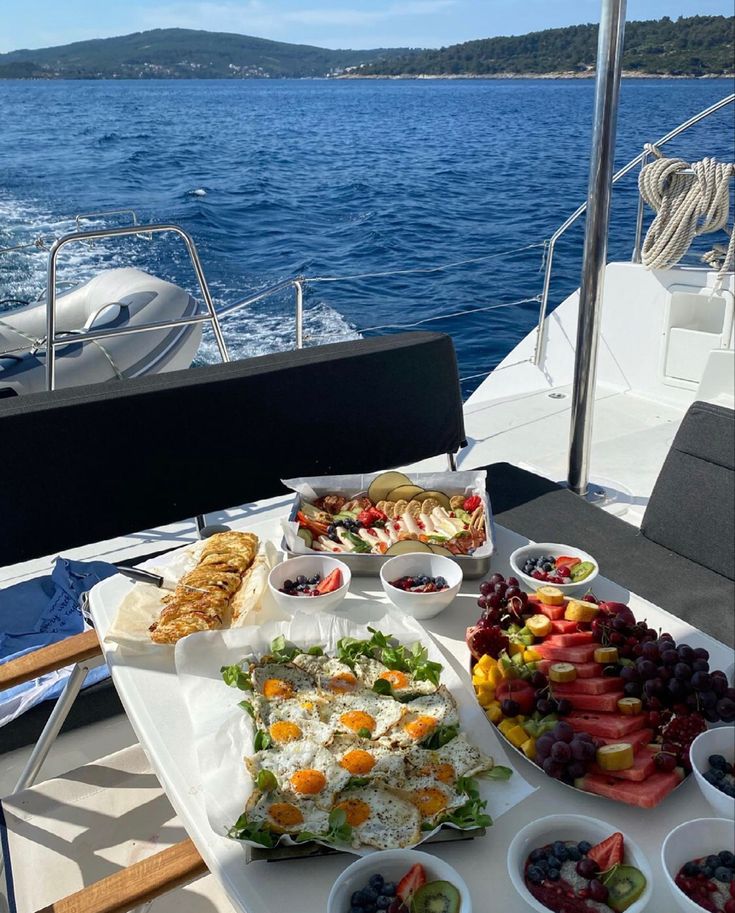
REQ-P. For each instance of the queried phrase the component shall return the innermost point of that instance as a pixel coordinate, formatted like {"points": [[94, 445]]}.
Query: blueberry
{"points": [[708, 871], [691, 869], [712, 861], [537, 855], [560, 851], [584, 847], [722, 873], [717, 775], [573, 853], [376, 881], [370, 907], [553, 862], [389, 889], [357, 899], [315, 579], [440, 581], [718, 762], [354, 909], [534, 874], [370, 894], [288, 585], [383, 902], [726, 858], [709, 776], [553, 874]]}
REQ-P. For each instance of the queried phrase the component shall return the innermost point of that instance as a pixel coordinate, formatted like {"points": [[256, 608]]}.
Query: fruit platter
{"points": [[367, 519], [591, 694]]}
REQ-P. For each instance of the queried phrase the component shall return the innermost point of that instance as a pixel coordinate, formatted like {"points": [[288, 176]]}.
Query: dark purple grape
{"points": [[564, 707], [646, 669], [682, 672], [598, 891], [543, 706], [726, 710], [512, 581], [561, 751], [563, 732], [579, 749], [676, 689], [669, 657], [619, 624], [632, 689], [482, 602], [702, 681], [512, 591], [700, 665], [544, 743], [486, 587], [497, 578], [730, 693], [652, 687], [707, 699], [629, 674], [710, 714], [500, 588], [719, 685], [650, 651], [509, 707], [701, 653], [686, 653], [576, 769], [494, 601], [692, 702], [553, 769], [538, 680], [553, 705], [587, 867]]}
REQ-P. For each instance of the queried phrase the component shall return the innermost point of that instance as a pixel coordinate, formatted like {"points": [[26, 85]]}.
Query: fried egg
{"points": [[404, 685], [292, 720], [380, 817], [281, 681], [302, 770], [377, 762], [424, 715], [457, 758], [285, 814], [431, 797], [365, 714]]}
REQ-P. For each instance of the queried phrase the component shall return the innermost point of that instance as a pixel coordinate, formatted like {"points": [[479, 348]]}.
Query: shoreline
{"points": [[561, 74]]}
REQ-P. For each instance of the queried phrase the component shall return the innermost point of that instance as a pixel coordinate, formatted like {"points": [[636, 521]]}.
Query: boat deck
{"points": [[631, 437]]}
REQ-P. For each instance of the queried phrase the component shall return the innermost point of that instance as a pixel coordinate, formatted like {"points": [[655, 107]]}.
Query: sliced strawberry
{"points": [[472, 503], [567, 561], [609, 852], [410, 883], [330, 583]]}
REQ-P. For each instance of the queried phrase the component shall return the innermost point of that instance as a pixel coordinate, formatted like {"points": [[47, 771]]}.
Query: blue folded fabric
{"points": [[40, 612]]}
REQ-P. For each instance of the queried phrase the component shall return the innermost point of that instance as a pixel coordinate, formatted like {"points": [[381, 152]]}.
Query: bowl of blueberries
{"points": [[319, 582], [419, 584], [567, 568], [712, 755]]}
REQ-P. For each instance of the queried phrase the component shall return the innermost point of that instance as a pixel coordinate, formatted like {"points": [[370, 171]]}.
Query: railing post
{"points": [[636, 258], [607, 93], [299, 314], [51, 318]]}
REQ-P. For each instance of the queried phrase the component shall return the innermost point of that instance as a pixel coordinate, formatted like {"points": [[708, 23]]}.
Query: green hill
{"points": [[184, 54], [693, 46]]}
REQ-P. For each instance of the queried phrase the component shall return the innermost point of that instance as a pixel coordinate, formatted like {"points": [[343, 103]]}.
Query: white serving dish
{"points": [[421, 605], [720, 740], [577, 828], [692, 840], [554, 549], [393, 865], [308, 565]]}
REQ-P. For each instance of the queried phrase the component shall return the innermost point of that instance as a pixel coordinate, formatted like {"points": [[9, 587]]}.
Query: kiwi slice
{"points": [[625, 884], [405, 546], [436, 897], [385, 482], [439, 496], [404, 492]]}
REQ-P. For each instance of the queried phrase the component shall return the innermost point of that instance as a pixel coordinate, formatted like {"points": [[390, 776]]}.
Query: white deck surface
{"points": [[148, 688]]}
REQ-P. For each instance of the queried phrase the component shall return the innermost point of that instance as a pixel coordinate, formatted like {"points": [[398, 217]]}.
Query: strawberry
{"points": [[608, 853], [330, 583], [472, 503], [410, 883]]}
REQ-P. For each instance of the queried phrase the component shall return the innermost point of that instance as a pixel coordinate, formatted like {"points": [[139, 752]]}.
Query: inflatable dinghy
{"points": [[113, 299]]}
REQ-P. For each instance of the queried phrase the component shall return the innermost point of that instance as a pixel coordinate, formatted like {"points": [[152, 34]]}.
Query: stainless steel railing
{"points": [[570, 220]]}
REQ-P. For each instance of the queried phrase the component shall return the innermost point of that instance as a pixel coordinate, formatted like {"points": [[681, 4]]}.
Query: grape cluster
{"points": [[665, 675], [621, 630], [565, 754], [500, 597]]}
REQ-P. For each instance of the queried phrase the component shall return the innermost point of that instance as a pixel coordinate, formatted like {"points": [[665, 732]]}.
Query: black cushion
{"points": [[91, 463], [546, 512], [692, 506]]}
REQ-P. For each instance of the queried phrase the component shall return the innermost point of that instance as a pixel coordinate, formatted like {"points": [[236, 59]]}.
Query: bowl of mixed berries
{"points": [[713, 762], [419, 584], [570, 569], [698, 859]]}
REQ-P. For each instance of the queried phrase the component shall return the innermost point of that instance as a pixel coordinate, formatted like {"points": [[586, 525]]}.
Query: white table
{"points": [[147, 685]]}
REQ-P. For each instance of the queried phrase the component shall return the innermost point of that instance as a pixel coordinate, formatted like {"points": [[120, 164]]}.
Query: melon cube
{"points": [[595, 685], [645, 794], [612, 726]]}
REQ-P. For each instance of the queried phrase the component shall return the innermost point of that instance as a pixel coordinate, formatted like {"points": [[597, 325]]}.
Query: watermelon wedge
{"points": [[606, 725], [554, 612], [642, 768], [570, 640], [645, 794], [563, 626], [593, 685], [584, 670], [600, 703], [582, 653], [638, 739]]}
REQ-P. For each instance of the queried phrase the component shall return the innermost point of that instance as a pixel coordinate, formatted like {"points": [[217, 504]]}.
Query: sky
{"points": [[326, 23]]}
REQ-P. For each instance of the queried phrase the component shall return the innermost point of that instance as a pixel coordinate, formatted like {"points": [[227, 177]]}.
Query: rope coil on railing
{"points": [[689, 200]]}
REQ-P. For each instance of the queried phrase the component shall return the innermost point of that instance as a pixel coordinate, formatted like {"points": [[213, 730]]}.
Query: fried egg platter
{"points": [[358, 749]]}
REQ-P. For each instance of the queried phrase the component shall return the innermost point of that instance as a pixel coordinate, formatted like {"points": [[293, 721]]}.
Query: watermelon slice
{"points": [[606, 725], [600, 703], [584, 670], [645, 794], [642, 768], [554, 612], [582, 653], [637, 739], [593, 685], [563, 626], [570, 640], [608, 852]]}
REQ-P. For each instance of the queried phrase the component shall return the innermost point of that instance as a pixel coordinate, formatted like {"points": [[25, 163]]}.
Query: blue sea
{"points": [[334, 179]]}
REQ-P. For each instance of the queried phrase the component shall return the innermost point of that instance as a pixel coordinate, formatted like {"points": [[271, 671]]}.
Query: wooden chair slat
{"points": [[47, 659]]}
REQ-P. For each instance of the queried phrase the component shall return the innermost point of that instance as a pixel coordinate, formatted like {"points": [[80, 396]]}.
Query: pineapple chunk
{"points": [[517, 735], [485, 694], [529, 748], [486, 662], [493, 712]]}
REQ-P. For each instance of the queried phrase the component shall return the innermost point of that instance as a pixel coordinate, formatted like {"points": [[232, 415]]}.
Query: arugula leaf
{"points": [[243, 829], [235, 677], [339, 830], [382, 686], [262, 740], [498, 773], [316, 650], [364, 732], [281, 652], [266, 781], [472, 813], [440, 736], [247, 707], [354, 782], [360, 544]]}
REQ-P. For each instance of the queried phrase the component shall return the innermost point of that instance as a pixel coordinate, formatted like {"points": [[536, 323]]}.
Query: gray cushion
{"points": [[692, 506]]}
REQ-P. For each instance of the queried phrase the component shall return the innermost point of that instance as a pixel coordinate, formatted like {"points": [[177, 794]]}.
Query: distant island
{"points": [[692, 46]]}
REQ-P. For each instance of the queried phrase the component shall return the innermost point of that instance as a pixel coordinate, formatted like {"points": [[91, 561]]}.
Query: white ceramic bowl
{"points": [[393, 865], [689, 841], [554, 549], [309, 566], [570, 827], [714, 741], [421, 605]]}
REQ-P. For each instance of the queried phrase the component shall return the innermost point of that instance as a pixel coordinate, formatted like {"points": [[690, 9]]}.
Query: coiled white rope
{"points": [[689, 200]]}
